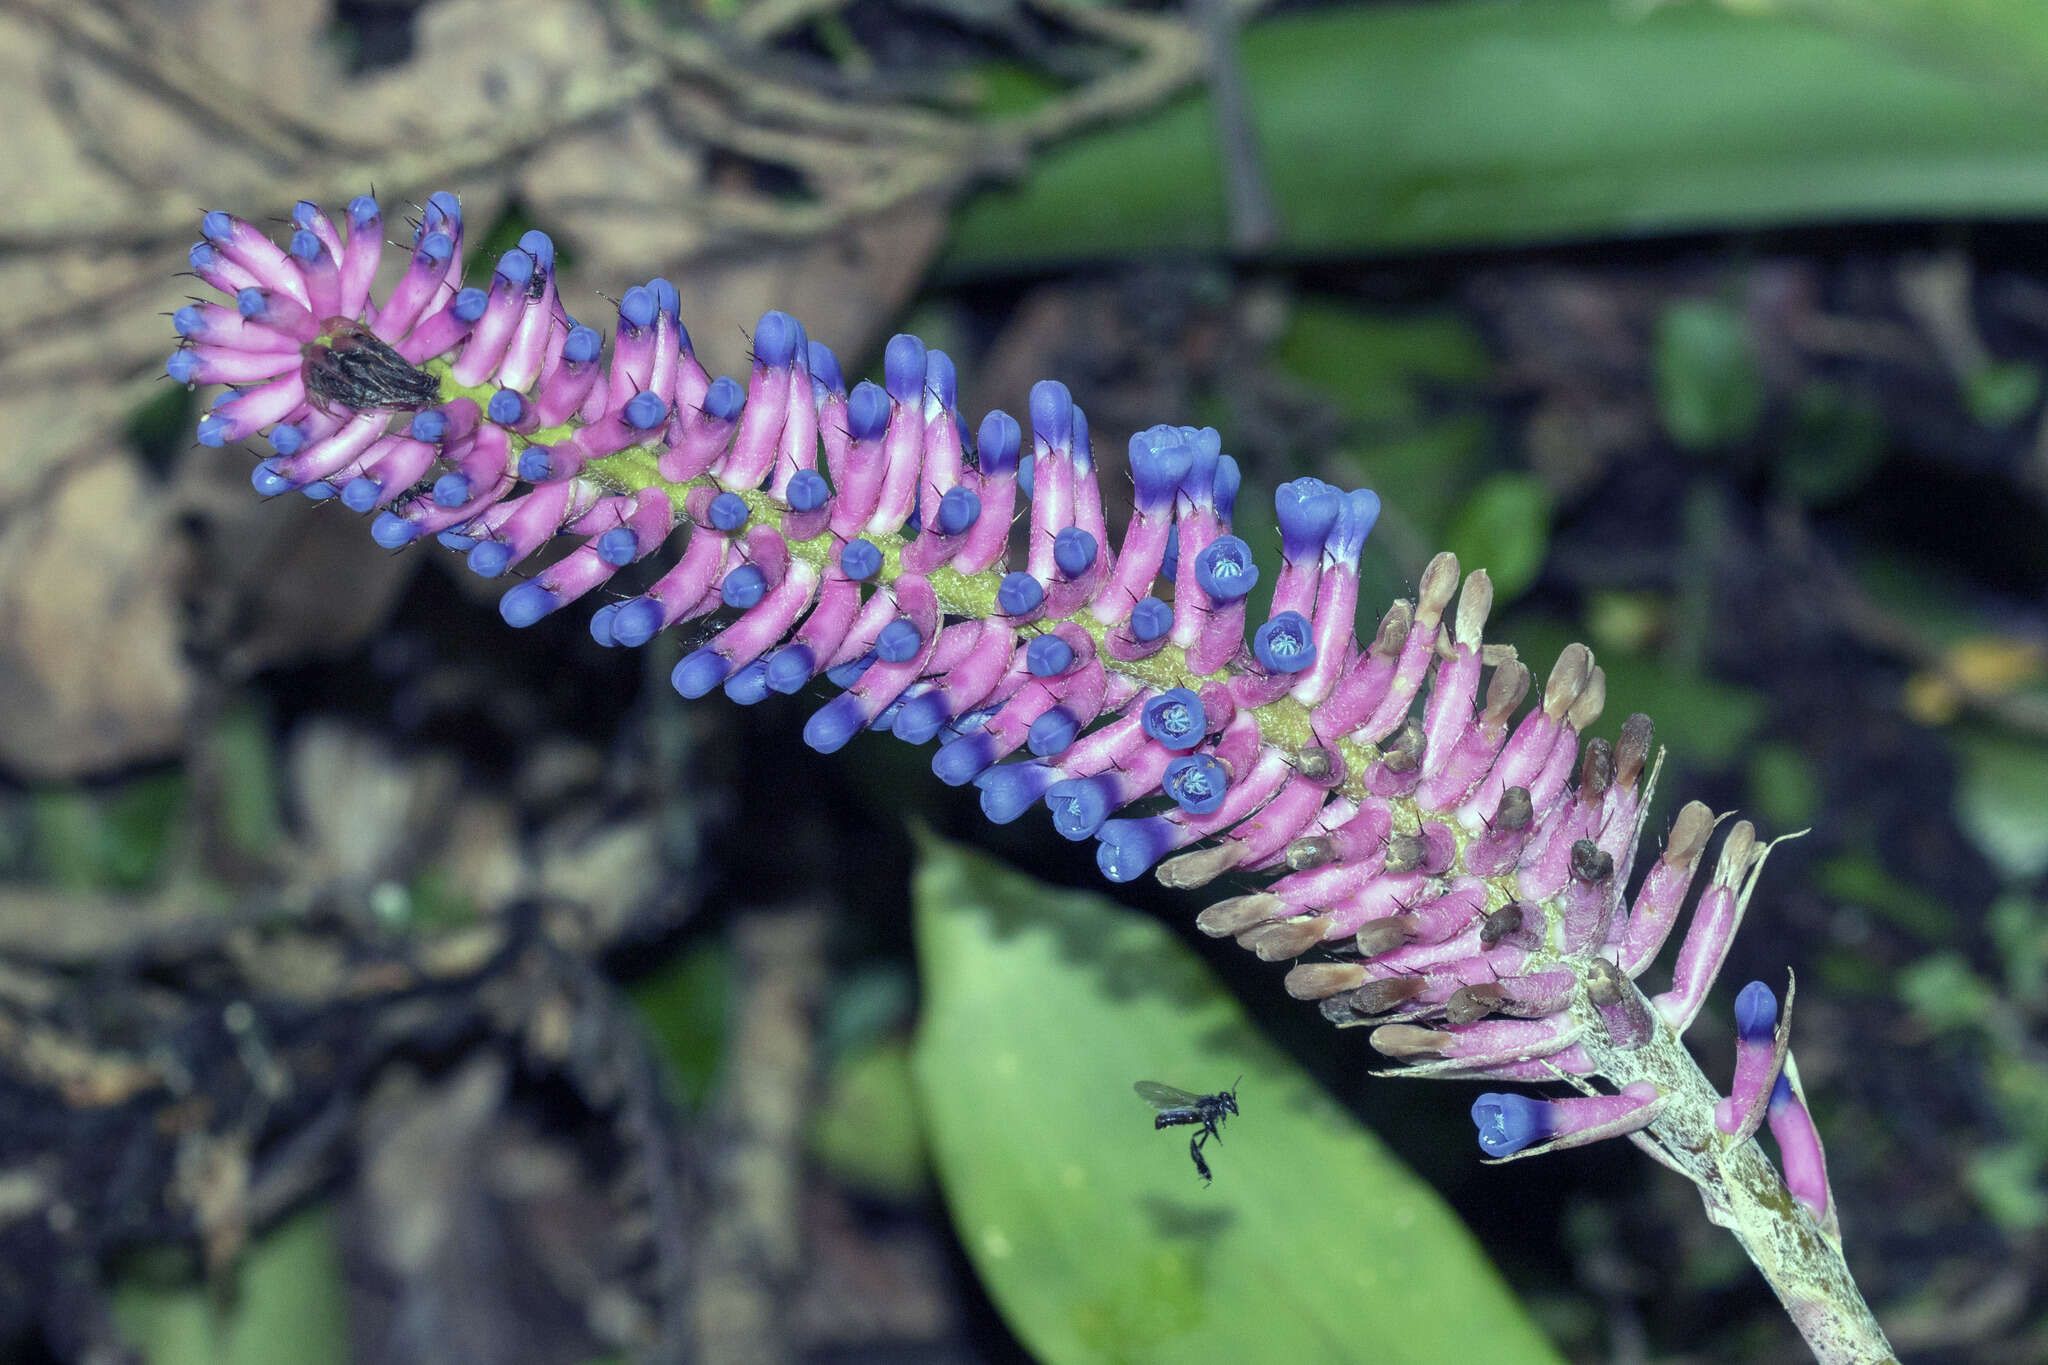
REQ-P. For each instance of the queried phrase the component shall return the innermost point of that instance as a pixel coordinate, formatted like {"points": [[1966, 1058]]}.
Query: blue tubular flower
{"points": [[1355, 520], [1073, 549], [534, 466], [1756, 1013], [1151, 619], [1306, 510], [728, 512], [392, 531], [1052, 412], [899, 641], [790, 667], [360, 494], [959, 509], [744, 587], [1010, 789], [699, 672], [1169, 568], [1508, 1123], [1052, 732], [1225, 569], [807, 491], [526, 603], [618, 547], [1048, 656], [505, 408], [997, 443], [601, 624], [941, 384], [1228, 481], [1175, 718], [450, 490], [775, 339], [1197, 783], [1129, 848], [867, 411], [725, 398], [637, 308], [748, 685], [1019, 593], [959, 761], [268, 481], [1079, 805], [1285, 644], [645, 411], [1160, 458], [904, 361], [848, 673], [860, 559], [636, 624], [921, 718], [488, 558]]}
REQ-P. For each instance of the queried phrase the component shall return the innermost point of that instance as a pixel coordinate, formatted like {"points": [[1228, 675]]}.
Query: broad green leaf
{"points": [[2002, 802], [1709, 390], [684, 1006], [866, 1133], [1504, 525], [1375, 364], [1396, 127], [1090, 1229], [1861, 880], [290, 1303]]}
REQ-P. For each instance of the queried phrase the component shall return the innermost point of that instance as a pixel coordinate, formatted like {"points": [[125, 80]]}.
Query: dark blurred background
{"points": [[379, 983]]}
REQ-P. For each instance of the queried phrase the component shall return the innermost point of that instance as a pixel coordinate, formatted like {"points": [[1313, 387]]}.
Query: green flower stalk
{"points": [[1436, 871]]}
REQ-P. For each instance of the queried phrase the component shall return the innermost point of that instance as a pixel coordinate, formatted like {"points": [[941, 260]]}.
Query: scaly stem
{"points": [[1743, 1193]]}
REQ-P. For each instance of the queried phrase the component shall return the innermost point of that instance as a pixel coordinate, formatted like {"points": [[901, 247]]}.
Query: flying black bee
{"points": [[1178, 1106]]}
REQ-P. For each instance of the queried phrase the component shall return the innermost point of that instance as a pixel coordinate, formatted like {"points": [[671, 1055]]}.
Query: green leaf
{"points": [[685, 1005], [1374, 364], [1503, 526], [290, 1303], [1396, 127], [2000, 796], [1835, 443], [2001, 394], [866, 1134], [1709, 390], [1862, 881], [1945, 993], [1090, 1230]]}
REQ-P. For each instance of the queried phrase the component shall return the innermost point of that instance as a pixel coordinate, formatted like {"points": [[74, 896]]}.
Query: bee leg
{"points": [[1195, 1151]]}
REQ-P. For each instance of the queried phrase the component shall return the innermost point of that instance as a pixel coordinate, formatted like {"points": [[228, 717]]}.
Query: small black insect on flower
{"points": [[1177, 1106], [358, 370]]}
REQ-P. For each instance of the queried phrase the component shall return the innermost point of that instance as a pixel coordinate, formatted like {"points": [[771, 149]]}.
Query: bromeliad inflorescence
{"points": [[1425, 860]]}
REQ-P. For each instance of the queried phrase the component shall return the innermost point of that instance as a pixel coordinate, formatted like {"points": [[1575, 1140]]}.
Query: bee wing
{"points": [[1165, 1096]]}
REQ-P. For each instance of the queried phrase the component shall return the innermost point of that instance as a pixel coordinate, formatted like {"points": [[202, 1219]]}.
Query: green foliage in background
{"points": [[1090, 1230], [287, 1302], [1489, 122]]}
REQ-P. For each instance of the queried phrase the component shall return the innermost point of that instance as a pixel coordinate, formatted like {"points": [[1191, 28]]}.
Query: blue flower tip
{"points": [[217, 226], [305, 247], [959, 508], [775, 339], [922, 717], [363, 212], [725, 398], [1052, 733], [1197, 783], [183, 364], [903, 367], [1225, 569], [1150, 619], [1509, 1123], [1127, 850], [471, 303], [618, 546], [867, 412], [1019, 593], [1079, 805], [699, 672], [360, 494], [189, 321], [645, 411], [899, 641], [997, 443], [601, 624], [744, 587], [1052, 412], [1756, 1013], [832, 724], [728, 512], [392, 531], [489, 558], [429, 426], [825, 371], [1048, 656], [1010, 789], [1175, 718], [790, 667], [749, 685], [214, 429], [505, 408], [636, 622], [807, 490], [861, 559], [267, 481], [287, 439], [582, 345], [1073, 549], [1285, 644], [958, 761], [451, 490], [525, 603], [539, 247]]}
